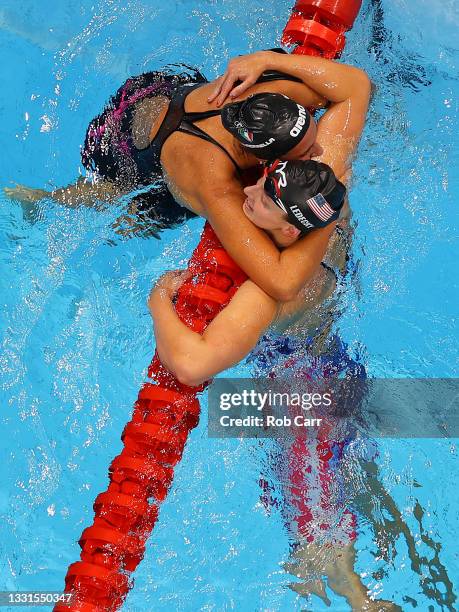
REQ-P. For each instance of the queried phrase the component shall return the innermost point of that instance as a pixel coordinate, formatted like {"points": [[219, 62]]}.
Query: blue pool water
{"points": [[76, 336]]}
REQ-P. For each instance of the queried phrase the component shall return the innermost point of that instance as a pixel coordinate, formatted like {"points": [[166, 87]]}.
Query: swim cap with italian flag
{"points": [[307, 191], [269, 125]]}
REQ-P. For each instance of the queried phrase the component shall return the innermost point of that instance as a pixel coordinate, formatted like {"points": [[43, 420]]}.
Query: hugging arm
{"points": [[281, 274], [347, 89], [194, 358]]}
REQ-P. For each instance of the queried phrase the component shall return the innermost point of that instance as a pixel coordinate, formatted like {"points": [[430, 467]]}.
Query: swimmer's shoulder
{"points": [[202, 175]]}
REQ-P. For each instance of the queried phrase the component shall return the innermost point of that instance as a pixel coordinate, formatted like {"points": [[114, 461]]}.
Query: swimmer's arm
{"points": [[247, 69], [80, 193], [320, 288], [87, 193], [193, 358], [331, 80], [347, 88], [280, 274]]}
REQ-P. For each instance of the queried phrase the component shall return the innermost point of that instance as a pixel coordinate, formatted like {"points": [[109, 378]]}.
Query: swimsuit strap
{"points": [[274, 75], [192, 129], [174, 116], [328, 268], [199, 116], [177, 120]]}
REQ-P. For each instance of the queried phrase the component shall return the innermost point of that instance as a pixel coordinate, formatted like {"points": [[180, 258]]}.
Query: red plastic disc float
{"points": [[317, 27]]}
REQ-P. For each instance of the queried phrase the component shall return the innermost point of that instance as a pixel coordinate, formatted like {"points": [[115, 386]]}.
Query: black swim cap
{"points": [[307, 191], [268, 124]]}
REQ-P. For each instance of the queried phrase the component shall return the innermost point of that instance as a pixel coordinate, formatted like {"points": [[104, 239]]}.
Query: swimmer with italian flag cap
{"points": [[203, 149]]}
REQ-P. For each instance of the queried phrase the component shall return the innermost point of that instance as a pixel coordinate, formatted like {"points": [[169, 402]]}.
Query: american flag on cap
{"points": [[320, 207]]}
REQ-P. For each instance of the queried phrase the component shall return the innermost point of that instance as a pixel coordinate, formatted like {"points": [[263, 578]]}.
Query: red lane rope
{"points": [[166, 411], [318, 27], [140, 476]]}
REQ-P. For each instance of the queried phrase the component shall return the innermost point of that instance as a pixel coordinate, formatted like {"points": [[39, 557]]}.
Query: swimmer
{"points": [[175, 127], [292, 198]]}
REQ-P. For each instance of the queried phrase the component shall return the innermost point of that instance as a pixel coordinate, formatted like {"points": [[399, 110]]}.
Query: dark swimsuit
{"points": [[109, 149], [177, 120]]}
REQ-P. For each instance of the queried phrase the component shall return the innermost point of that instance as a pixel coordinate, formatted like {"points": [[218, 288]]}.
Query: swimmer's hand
{"points": [[25, 195], [246, 69], [167, 286]]}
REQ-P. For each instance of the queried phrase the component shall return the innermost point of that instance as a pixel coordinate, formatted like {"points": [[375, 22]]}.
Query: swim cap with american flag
{"points": [[307, 191]]}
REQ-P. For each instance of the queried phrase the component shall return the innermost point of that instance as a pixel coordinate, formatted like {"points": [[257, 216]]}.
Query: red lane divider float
{"points": [[154, 439], [165, 410], [318, 26]]}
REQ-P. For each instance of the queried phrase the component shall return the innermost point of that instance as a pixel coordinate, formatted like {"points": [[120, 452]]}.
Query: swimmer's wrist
{"points": [[271, 59]]}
